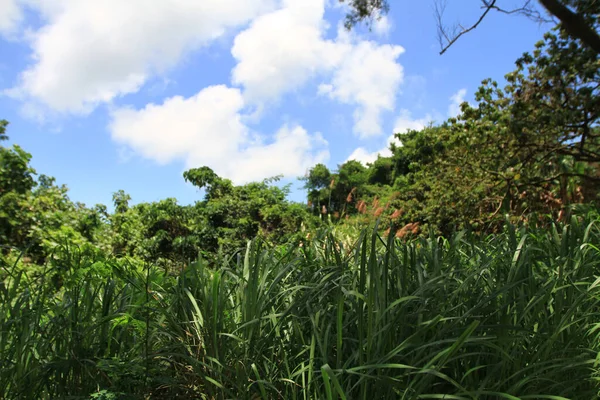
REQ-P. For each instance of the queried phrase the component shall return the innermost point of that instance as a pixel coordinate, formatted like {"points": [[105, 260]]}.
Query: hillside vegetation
{"points": [[515, 315], [466, 265]]}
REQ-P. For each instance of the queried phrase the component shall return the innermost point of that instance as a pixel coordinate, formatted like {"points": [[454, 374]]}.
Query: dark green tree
{"points": [[16, 183], [121, 201], [381, 171], [231, 215], [348, 186], [317, 183], [3, 125]]}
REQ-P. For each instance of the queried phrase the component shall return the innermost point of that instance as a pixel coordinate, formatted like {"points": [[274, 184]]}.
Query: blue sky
{"points": [[114, 94]]}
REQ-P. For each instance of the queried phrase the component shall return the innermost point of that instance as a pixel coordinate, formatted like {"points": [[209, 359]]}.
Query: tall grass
{"points": [[511, 316]]}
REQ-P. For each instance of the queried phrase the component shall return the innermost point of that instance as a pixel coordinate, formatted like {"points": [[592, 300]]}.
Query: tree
{"points": [[419, 148], [349, 185], [231, 215], [206, 178], [317, 183], [3, 125], [16, 175], [16, 183], [35, 217], [318, 178], [364, 10], [125, 224], [167, 230], [544, 121], [555, 98], [381, 171], [121, 201], [530, 147], [578, 18]]}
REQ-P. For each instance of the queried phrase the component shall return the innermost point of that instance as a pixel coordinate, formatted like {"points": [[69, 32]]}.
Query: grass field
{"points": [[510, 316]]}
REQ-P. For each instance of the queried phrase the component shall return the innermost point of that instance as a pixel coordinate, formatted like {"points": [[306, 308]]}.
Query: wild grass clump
{"points": [[513, 315]]}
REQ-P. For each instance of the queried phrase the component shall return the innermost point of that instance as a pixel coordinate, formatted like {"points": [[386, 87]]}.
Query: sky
{"points": [[112, 94]]}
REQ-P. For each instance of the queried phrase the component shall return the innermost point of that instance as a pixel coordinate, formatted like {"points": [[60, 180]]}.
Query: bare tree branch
{"points": [[528, 10], [573, 22], [451, 38], [448, 36]]}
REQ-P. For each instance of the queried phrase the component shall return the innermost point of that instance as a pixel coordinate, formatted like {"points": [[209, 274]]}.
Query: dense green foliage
{"points": [[516, 314], [36, 215], [529, 150]]}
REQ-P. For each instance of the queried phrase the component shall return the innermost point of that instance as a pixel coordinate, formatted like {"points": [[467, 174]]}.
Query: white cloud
{"points": [[369, 77], [361, 154], [208, 129], [90, 51], [403, 124], [205, 126], [10, 16], [291, 152], [456, 100], [282, 50], [406, 122], [382, 26]]}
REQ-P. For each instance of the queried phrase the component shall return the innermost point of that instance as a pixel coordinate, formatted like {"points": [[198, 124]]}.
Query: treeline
{"points": [[36, 216], [528, 151]]}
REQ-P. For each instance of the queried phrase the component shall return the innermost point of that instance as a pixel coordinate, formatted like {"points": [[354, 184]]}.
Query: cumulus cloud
{"points": [[89, 52], [382, 26], [208, 129], [369, 77], [364, 156], [10, 16], [455, 101], [291, 152], [205, 126], [404, 123], [281, 50]]}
